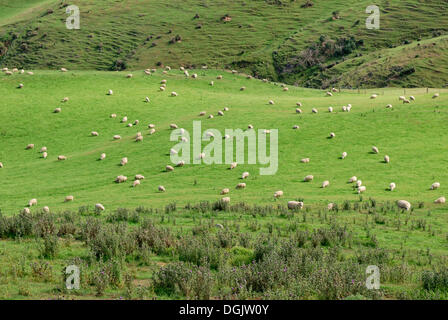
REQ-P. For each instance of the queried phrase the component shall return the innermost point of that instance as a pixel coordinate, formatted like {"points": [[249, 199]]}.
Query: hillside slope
{"points": [[268, 39]]}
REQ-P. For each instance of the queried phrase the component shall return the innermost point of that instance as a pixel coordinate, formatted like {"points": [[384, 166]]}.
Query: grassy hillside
{"points": [[265, 38], [413, 135]]}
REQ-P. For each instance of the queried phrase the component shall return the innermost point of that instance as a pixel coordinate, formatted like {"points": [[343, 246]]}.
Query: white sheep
{"points": [[94, 134], [331, 206], [1, 165], [113, 115], [32, 202], [353, 179], [152, 131], [386, 159], [46, 209], [389, 106], [296, 127], [401, 98], [173, 126], [332, 135], [124, 161], [325, 184], [299, 104], [305, 160], [314, 110], [147, 99], [245, 175], [220, 113], [308, 178], [99, 207], [250, 126], [202, 113], [298, 110], [440, 200], [233, 165], [210, 116], [329, 94], [102, 156], [435, 185], [225, 191], [242, 88], [25, 210], [174, 94], [436, 95], [69, 198], [136, 183], [403, 204], [117, 137], [57, 110], [219, 77], [162, 189], [139, 177], [124, 119], [150, 126], [63, 70], [226, 199], [271, 102], [392, 186], [169, 168], [292, 205], [121, 179], [62, 158], [359, 183], [181, 163], [43, 149], [44, 155], [412, 98], [373, 96], [375, 149], [241, 185], [344, 155], [110, 92], [278, 194], [361, 189], [330, 109], [138, 138], [129, 75]]}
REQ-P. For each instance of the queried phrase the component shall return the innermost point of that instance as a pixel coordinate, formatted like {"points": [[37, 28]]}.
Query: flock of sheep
{"points": [[357, 183]]}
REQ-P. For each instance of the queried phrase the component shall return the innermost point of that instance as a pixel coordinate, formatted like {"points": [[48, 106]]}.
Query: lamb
{"points": [[139, 177], [332, 135], [440, 200], [129, 75], [242, 88], [173, 126], [298, 110], [305, 160], [435, 185], [225, 191], [125, 119], [32, 202], [210, 116], [162, 88], [299, 104], [212, 83], [1, 165], [57, 110], [124, 161], [20, 86], [136, 122], [194, 75], [295, 127], [225, 200], [373, 96], [386, 159], [401, 98], [152, 131], [62, 158], [358, 183], [308, 178], [233, 165], [64, 99], [202, 113], [44, 155], [117, 137], [241, 186], [353, 179], [43, 149], [271, 102], [389, 106], [150, 126], [121, 179], [392, 186], [46, 209], [99, 207], [63, 70], [361, 189], [169, 168], [136, 183], [102, 156], [344, 155], [375, 150], [325, 184], [219, 77], [94, 134], [245, 175], [314, 110], [220, 113], [330, 109], [113, 115], [403, 204], [139, 139], [174, 94], [436, 95], [69, 198], [162, 189], [293, 205], [250, 126], [278, 194], [110, 92]]}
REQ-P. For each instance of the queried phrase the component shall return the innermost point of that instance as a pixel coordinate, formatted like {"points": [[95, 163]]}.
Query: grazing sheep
{"points": [[334, 90], [172, 151], [32, 202], [344, 108], [403, 204], [435, 185], [250, 126], [113, 115], [349, 108], [129, 125], [181, 163], [373, 96], [1, 165], [440, 200], [184, 139], [266, 131], [125, 119], [245, 175], [63, 70], [225, 191], [242, 88], [129, 75], [358, 183], [162, 189], [219, 77], [233, 165], [26, 211], [375, 150], [285, 89], [147, 99], [226, 109], [331, 206], [241, 185], [162, 88], [314, 110], [298, 110], [392, 186], [202, 113], [194, 75], [226, 136], [150, 126], [329, 94], [69, 198], [117, 137], [44, 155], [305, 160], [57, 110], [99, 207], [173, 126], [212, 83], [386, 159], [308, 178], [201, 155], [174, 94], [361, 189], [46, 209], [8, 73], [169, 168], [94, 134], [353, 179], [344, 155], [225, 200], [136, 122], [152, 131], [220, 113], [293, 205], [436, 95], [389, 106], [412, 98], [330, 109], [295, 127], [110, 92], [20, 86], [278, 194], [332, 135], [210, 116], [401, 98], [299, 104], [139, 177], [406, 101], [62, 158], [102, 156], [65, 99], [136, 183], [121, 179], [325, 184], [138, 138], [43, 149], [124, 161], [271, 102]]}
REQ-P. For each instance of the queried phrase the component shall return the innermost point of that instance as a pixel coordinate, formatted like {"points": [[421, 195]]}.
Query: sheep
{"points": [[266, 131], [295, 127], [8, 73], [344, 108], [225, 200], [220, 113], [344, 155], [225, 191], [293, 205], [242, 88], [349, 108], [139, 134], [181, 163], [299, 104], [234, 71], [314, 110], [406, 101], [168, 68], [26, 211], [94, 134], [353, 179], [401, 98], [226, 136], [63, 70], [61, 158], [308, 178], [210, 116], [99, 207], [265, 80], [226, 109], [20, 86], [129, 75], [359, 183], [65, 99], [121, 179], [46, 209], [271, 102], [150, 126], [392, 186], [386, 159], [241, 185], [325, 184], [173, 126], [163, 81], [174, 94], [285, 89], [305, 160], [389, 106], [102, 156], [329, 94], [412, 98], [202, 113], [1, 165], [162, 189], [136, 122], [334, 90], [298, 110], [32, 202], [162, 88], [136, 183], [233, 165], [436, 95], [172, 151], [361, 189], [375, 150], [169, 168], [117, 137], [110, 92], [219, 77], [139, 177], [435, 185], [330, 109], [113, 115], [194, 75], [139, 139], [69, 198], [124, 161], [403, 204], [250, 126], [57, 110], [201, 155], [124, 119], [212, 83], [129, 125], [184, 139], [44, 155], [331, 206], [332, 135], [147, 99], [152, 131], [278, 194], [440, 200], [373, 96], [245, 175], [43, 149]]}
